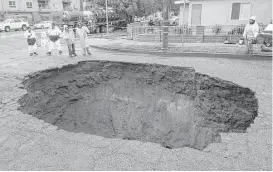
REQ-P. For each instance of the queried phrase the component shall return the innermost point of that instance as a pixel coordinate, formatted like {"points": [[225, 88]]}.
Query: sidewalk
{"points": [[188, 49]]}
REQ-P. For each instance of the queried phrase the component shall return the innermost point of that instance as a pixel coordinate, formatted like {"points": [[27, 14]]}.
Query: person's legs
{"points": [[35, 49], [69, 49], [84, 51], [73, 50], [87, 47], [88, 51], [251, 46], [50, 47], [82, 42], [247, 46], [30, 49], [59, 46]]}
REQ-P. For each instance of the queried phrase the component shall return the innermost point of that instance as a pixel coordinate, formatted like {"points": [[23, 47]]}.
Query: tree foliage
{"points": [[127, 9]]}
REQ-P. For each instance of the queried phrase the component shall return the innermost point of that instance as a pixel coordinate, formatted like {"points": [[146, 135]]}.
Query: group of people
{"points": [[54, 35]]}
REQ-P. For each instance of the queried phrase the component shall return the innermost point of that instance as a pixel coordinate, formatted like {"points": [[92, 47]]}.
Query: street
{"points": [[27, 143]]}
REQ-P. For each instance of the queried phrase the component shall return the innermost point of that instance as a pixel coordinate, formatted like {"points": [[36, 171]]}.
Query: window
{"points": [[24, 18], [29, 4], [240, 11], [17, 21], [43, 4], [12, 4]]}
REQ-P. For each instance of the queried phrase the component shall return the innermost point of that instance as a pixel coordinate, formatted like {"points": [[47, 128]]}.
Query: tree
{"points": [[127, 9]]}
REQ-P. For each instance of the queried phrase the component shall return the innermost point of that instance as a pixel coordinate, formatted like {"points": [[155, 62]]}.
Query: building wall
{"points": [[21, 6], [1, 6], [54, 5], [219, 11], [186, 14], [76, 4]]}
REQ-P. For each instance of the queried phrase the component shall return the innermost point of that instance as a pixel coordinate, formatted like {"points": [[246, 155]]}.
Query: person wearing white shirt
{"points": [[54, 35], [31, 39], [81, 33], [250, 34], [69, 38]]}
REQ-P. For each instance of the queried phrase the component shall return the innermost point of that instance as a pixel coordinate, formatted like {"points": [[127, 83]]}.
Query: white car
{"points": [[13, 24], [43, 24], [174, 20]]}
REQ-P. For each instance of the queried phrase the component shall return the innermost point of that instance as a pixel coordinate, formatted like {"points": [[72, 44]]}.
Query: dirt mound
{"points": [[172, 106]]}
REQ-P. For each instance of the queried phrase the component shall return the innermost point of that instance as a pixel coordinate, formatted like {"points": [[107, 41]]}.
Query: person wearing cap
{"points": [[54, 35], [81, 33], [68, 36], [250, 34], [31, 40]]}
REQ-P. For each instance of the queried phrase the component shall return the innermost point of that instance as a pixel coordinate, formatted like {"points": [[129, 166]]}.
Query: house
{"points": [[35, 10], [224, 12]]}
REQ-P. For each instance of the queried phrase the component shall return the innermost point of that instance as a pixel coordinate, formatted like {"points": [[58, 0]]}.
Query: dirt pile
{"points": [[172, 106]]}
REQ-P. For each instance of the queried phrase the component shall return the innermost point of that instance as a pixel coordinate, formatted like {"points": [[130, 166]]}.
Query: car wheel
{"points": [[24, 27], [42, 27], [268, 44], [97, 30], [7, 28]]}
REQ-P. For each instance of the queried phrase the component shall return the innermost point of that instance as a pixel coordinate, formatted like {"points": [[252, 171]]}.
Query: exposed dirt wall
{"points": [[172, 106]]}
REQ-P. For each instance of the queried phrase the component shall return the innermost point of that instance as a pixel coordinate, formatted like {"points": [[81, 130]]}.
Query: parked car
{"points": [[13, 24], [266, 34], [43, 24], [174, 21]]}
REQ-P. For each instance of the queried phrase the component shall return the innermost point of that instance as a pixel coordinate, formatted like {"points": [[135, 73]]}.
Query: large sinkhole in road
{"points": [[172, 106]]}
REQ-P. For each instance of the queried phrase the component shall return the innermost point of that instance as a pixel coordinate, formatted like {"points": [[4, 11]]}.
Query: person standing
{"points": [[54, 39], [31, 40], [250, 34], [81, 33], [68, 36]]}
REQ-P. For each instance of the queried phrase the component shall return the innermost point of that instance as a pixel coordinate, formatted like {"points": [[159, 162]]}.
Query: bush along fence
{"points": [[188, 34]]}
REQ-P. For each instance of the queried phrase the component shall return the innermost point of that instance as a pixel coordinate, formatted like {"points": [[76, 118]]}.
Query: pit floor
{"points": [[27, 143]]}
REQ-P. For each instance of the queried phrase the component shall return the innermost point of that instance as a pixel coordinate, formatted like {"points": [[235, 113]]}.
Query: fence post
{"points": [[200, 31], [132, 32]]}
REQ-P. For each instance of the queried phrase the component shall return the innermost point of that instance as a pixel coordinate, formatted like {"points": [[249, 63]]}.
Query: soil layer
{"points": [[172, 106]]}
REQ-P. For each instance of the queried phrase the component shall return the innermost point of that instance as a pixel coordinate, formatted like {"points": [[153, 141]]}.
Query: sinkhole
{"points": [[172, 106]]}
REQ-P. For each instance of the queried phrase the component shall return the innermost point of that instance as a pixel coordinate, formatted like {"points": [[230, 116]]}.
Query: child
{"points": [[31, 40], [81, 33], [68, 36]]}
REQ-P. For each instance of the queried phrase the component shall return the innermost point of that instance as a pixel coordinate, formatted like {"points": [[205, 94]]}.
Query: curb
{"points": [[190, 54]]}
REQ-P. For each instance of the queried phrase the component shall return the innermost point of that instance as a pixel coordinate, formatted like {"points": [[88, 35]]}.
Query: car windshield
{"points": [[6, 21], [269, 28]]}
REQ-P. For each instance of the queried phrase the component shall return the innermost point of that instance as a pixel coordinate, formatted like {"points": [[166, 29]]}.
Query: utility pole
{"points": [[81, 5], [2, 5], [107, 23], [184, 7], [165, 24]]}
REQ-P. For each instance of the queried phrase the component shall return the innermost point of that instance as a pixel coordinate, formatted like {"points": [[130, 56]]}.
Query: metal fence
{"points": [[190, 30]]}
